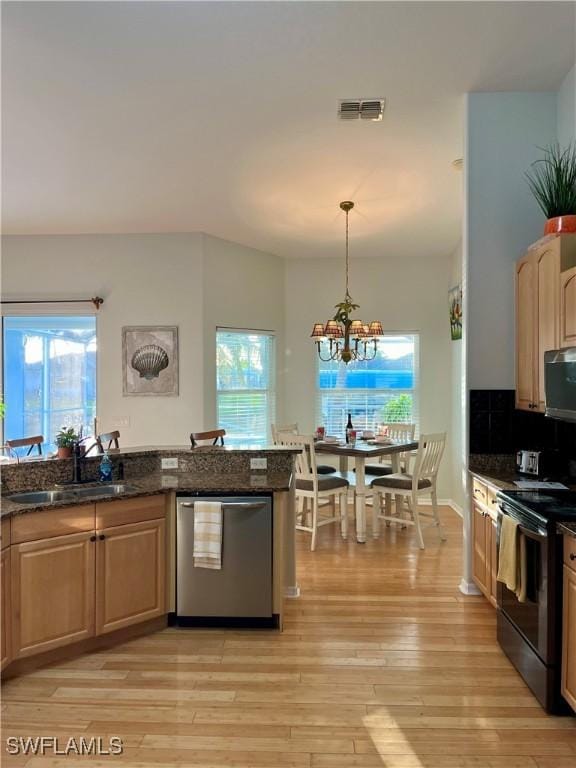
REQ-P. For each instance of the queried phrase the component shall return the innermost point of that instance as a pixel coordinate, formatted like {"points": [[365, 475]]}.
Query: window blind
{"points": [[373, 392], [245, 384]]}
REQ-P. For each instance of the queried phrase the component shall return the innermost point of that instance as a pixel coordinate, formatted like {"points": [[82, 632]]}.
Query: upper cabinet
{"points": [[545, 313], [568, 308]]}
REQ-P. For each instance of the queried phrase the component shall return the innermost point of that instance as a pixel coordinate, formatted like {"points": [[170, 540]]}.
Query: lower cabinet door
{"points": [[492, 536], [52, 592], [569, 638], [480, 562], [130, 574], [6, 611]]}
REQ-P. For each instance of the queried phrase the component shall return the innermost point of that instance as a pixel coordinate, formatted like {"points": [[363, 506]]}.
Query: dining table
{"points": [[360, 451]]}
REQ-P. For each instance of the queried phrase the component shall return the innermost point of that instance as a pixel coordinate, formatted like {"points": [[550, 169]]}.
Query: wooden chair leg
{"points": [[388, 508], [343, 508], [416, 515], [441, 531], [300, 510], [376, 514], [314, 523]]}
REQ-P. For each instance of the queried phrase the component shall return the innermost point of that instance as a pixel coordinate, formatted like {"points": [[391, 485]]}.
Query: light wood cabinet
{"points": [[568, 308], [6, 616], [484, 538], [539, 321], [52, 592], [525, 332], [569, 623], [65, 580], [131, 574]]}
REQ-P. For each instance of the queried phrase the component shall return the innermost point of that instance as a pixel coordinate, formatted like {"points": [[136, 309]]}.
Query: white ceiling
{"points": [[221, 117]]}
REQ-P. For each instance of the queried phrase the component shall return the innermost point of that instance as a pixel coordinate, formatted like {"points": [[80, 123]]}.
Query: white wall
{"points": [[504, 131], [243, 288], [190, 280], [566, 109], [406, 295], [458, 400]]}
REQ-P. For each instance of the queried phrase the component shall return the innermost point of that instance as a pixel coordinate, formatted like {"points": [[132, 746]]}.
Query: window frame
{"points": [[271, 390], [415, 391], [47, 309]]}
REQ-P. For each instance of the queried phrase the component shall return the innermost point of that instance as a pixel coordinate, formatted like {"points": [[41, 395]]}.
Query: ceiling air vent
{"points": [[365, 109]]}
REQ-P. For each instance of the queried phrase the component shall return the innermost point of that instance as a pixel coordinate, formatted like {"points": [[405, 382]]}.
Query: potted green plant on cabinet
{"points": [[552, 180]]}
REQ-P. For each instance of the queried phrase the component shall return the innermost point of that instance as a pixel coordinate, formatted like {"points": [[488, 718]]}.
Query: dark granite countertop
{"points": [[163, 482], [568, 529], [504, 480]]}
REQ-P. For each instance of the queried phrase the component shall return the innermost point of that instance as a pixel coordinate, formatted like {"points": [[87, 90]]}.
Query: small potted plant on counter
{"points": [[65, 439], [552, 180]]}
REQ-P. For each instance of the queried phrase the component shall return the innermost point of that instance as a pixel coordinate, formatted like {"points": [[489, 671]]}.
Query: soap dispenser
{"points": [[105, 469]]}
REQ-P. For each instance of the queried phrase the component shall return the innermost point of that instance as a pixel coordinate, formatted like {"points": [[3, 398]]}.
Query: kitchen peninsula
{"points": [[91, 564]]}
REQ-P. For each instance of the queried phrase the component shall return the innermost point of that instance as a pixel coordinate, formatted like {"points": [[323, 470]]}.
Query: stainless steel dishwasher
{"points": [[240, 593]]}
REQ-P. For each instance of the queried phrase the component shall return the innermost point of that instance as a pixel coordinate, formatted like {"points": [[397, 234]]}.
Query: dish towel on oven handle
{"points": [[207, 551], [512, 569]]}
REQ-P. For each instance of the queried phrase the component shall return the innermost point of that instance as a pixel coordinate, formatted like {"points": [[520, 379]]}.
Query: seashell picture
{"points": [[150, 360]]}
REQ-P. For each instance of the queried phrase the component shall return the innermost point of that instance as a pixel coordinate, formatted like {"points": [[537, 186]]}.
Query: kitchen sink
{"points": [[70, 494], [41, 497], [107, 489]]}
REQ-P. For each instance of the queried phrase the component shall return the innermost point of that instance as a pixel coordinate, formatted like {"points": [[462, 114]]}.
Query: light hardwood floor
{"points": [[383, 663]]}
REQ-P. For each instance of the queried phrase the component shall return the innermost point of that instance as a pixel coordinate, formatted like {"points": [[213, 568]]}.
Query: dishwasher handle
{"points": [[235, 504]]}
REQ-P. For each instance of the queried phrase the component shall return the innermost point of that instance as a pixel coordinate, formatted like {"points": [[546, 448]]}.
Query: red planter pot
{"points": [[561, 225], [64, 453]]}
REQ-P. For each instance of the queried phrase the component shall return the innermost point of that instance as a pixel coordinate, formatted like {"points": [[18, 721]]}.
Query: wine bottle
{"points": [[349, 426]]}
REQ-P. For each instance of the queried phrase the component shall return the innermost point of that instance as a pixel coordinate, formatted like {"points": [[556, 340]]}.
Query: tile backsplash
{"points": [[496, 427]]}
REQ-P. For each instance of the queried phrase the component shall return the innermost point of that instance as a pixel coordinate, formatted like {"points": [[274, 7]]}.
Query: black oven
{"points": [[530, 633]]}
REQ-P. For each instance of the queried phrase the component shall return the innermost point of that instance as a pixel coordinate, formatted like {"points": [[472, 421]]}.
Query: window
{"points": [[382, 390], [245, 385], [49, 375]]}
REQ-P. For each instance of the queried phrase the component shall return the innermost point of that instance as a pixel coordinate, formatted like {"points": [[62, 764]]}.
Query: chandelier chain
{"points": [[347, 268]]}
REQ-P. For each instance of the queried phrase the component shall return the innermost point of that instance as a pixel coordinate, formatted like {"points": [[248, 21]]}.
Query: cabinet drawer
{"points": [[31, 526], [5, 532], [125, 511], [491, 501], [479, 490], [570, 552]]}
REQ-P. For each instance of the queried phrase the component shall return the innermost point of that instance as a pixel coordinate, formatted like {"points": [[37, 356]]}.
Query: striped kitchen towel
{"points": [[207, 534]]}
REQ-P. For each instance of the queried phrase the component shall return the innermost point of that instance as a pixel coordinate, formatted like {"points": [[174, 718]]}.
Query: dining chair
{"points": [[319, 491], [399, 433], [292, 429], [216, 435], [111, 438], [26, 442], [412, 487]]}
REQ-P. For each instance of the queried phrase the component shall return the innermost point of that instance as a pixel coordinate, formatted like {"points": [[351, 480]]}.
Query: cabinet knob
{"points": [[102, 537], [572, 556], [92, 538]]}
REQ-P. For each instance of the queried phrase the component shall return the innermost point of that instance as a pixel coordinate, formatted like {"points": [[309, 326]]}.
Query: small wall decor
{"points": [[150, 360], [455, 306]]}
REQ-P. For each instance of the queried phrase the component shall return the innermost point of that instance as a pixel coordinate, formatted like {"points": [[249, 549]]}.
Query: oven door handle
{"points": [[532, 534]]}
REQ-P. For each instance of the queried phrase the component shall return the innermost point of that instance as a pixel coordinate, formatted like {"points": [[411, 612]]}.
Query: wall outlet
{"points": [[119, 423], [258, 463], [169, 463]]}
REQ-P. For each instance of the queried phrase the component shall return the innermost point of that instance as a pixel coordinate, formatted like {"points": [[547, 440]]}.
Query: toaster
{"points": [[538, 463]]}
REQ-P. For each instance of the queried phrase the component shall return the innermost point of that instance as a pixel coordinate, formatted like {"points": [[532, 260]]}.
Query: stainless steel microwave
{"points": [[560, 383]]}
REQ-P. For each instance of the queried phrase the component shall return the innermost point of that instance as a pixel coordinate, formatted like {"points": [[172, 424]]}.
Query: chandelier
{"points": [[347, 339]]}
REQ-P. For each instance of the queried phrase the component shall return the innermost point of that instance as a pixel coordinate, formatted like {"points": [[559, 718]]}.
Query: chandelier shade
{"points": [[342, 338]]}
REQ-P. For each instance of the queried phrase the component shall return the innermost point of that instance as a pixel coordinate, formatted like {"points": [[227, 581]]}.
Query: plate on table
{"points": [[381, 441]]}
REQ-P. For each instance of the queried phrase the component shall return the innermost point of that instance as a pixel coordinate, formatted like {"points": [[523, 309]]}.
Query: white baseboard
{"points": [[292, 591], [442, 503], [469, 588]]}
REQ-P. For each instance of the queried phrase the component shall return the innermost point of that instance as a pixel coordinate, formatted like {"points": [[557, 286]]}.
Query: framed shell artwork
{"points": [[150, 360]]}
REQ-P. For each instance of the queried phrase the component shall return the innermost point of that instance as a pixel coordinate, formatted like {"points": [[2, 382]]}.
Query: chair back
{"points": [[305, 461], [111, 438], [216, 435], [26, 442], [277, 429], [400, 433], [430, 450]]}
